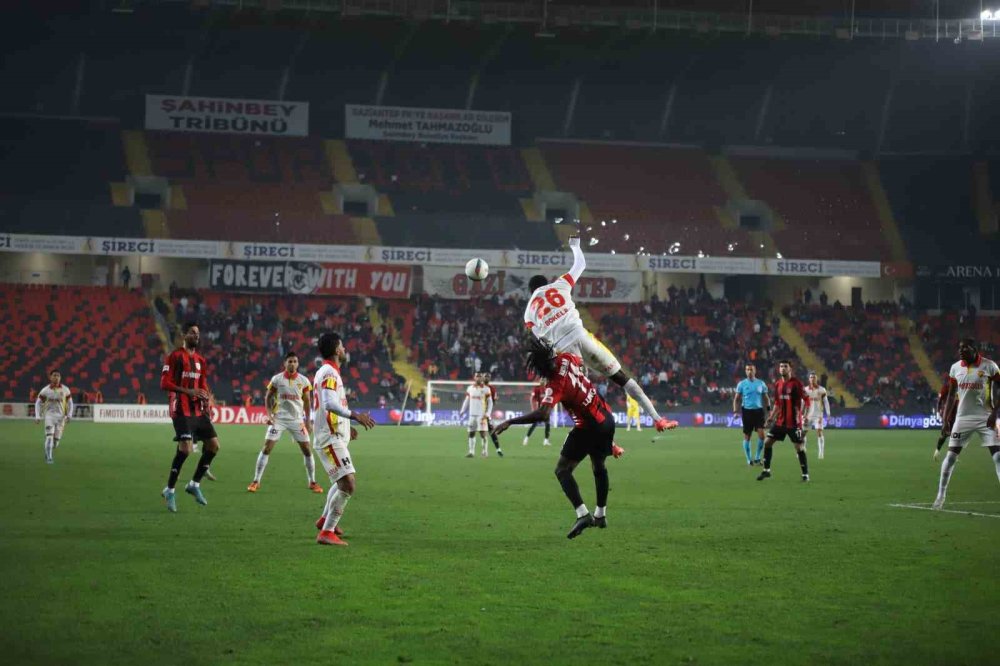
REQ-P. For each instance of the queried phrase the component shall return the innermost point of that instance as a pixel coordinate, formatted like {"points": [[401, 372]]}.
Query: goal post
{"points": [[444, 399]]}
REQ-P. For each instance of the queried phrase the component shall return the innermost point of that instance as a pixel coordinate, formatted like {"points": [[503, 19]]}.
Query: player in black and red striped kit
{"points": [[593, 435], [185, 378], [786, 419]]}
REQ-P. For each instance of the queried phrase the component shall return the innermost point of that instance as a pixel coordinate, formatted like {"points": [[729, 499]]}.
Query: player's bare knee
{"points": [[346, 484], [184, 446], [268, 447], [212, 445]]}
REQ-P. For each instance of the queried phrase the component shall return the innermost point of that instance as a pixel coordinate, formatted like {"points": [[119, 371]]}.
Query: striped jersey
{"points": [[788, 396], [187, 370], [575, 391]]}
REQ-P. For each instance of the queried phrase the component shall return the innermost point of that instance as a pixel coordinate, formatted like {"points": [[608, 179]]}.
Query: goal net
{"points": [[445, 398]]}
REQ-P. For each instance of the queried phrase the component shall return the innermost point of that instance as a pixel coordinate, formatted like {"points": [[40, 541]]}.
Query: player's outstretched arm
{"points": [[579, 262], [540, 414]]}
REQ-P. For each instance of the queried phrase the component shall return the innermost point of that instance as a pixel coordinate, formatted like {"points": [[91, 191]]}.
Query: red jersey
{"points": [[186, 370], [493, 393], [575, 391], [789, 395], [537, 394]]}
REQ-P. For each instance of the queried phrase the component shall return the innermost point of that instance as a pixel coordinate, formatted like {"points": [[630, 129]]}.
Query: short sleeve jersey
{"points": [[325, 423], [292, 392], [789, 393], [187, 370], [973, 383], [551, 313], [478, 396], [752, 392], [816, 406], [571, 387], [55, 401]]}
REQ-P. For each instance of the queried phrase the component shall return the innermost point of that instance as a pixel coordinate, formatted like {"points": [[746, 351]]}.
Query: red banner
{"points": [[239, 415]]}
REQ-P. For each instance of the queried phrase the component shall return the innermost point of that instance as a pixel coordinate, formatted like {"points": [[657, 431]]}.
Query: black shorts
{"points": [[753, 419], [777, 433], [194, 428], [592, 439]]}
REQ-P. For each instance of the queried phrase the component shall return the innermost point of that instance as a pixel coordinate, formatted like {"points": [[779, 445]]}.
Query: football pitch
{"points": [[465, 561]]}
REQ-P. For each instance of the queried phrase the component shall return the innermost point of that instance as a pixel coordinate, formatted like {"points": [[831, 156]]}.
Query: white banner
{"points": [[157, 247], [286, 251], [227, 116], [14, 410], [131, 414], [593, 286], [548, 261], [822, 268], [429, 256], [399, 123], [53, 244]]}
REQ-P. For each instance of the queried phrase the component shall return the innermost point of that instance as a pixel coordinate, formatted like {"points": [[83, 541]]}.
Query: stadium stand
{"points": [[690, 349], [102, 339], [825, 209], [246, 337], [57, 178], [868, 350]]}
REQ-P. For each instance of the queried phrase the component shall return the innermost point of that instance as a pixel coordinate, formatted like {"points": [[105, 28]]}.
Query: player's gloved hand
{"points": [[574, 241], [500, 428]]}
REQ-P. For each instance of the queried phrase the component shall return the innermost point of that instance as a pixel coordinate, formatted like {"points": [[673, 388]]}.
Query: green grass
{"points": [[466, 561]]}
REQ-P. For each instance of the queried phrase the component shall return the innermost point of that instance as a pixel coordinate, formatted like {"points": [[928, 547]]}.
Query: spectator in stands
{"points": [[126, 277]]}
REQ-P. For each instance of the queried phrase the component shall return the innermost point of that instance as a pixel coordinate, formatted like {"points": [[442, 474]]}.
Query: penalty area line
{"points": [[962, 513]]}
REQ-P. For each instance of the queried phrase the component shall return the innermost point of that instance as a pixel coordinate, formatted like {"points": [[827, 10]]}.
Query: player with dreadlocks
{"points": [[593, 435]]}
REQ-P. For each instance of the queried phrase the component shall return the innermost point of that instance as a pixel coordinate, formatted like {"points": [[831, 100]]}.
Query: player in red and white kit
{"points": [[552, 317], [537, 393], [817, 409], [184, 378], [975, 388], [593, 435], [489, 417], [786, 419]]}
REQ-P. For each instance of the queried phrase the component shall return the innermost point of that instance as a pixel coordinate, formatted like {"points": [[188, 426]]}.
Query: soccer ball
{"points": [[477, 269]]}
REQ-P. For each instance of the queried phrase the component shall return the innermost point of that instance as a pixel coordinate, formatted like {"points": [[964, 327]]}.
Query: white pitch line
{"points": [[963, 513], [950, 503]]}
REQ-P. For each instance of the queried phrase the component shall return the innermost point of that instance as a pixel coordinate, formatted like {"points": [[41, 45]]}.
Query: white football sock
{"points": [[633, 389], [337, 504], [525, 442], [947, 466], [472, 445], [48, 448], [486, 449], [581, 511], [310, 464], [600, 511], [330, 494], [820, 441], [262, 459], [996, 461]]}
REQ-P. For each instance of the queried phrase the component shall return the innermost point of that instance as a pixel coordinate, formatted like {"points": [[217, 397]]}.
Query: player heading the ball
{"points": [[552, 317]]}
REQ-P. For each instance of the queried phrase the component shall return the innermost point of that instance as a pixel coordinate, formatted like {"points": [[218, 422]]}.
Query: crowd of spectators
{"points": [[245, 339], [869, 351]]}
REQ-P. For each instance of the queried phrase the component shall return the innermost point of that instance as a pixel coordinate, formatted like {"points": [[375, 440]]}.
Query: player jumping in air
{"points": [[947, 418], [332, 433], [552, 316], [54, 404], [786, 419], [479, 402], [975, 387], [818, 408], [751, 398], [489, 414], [185, 378], [593, 435], [537, 393], [288, 400]]}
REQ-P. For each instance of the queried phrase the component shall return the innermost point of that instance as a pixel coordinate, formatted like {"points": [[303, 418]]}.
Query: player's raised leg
{"points": [[602, 485], [208, 453]]}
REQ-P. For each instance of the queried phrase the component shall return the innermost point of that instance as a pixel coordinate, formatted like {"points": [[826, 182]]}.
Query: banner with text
{"points": [[398, 123], [227, 116], [298, 277], [593, 286]]}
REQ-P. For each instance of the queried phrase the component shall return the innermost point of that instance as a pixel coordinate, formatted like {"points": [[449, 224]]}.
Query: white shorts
{"points": [[335, 457], [54, 424], [814, 423], [595, 355], [477, 424], [962, 433], [297, 429]]}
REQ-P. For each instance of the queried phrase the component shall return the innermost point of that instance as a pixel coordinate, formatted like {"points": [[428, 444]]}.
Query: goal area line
{"points": [[922, 506]]}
